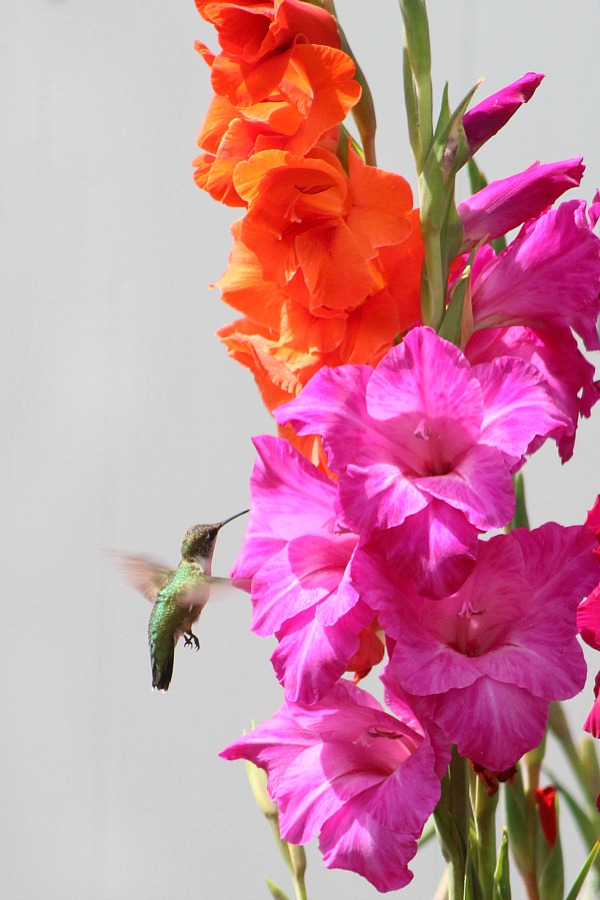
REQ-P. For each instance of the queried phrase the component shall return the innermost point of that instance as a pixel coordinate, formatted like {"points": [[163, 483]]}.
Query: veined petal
{"points": [[549, 274], [305, 572], [507, 203], [479, 486], [498, 724], [290, 498], [518, 407]]}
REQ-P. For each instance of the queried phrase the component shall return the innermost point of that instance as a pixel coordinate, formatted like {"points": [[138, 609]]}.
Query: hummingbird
{"points": [[178, 595]]}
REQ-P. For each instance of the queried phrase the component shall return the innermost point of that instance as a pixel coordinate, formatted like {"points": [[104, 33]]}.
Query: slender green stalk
{"points": [[485, 822]]}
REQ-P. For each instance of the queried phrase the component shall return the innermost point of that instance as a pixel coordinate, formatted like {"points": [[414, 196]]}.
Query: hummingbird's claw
{"points": [[191, 639]]}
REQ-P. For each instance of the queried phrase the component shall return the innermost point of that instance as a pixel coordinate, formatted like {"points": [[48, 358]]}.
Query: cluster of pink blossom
{"points": [[391, 548]]}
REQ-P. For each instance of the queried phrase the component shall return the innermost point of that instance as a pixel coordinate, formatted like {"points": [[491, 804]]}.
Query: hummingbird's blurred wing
{"points": [[142, 574], [219, 584], [211, 586]]}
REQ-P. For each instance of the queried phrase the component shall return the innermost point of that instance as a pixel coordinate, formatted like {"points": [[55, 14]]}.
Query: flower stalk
{"points": [[412, 359]]}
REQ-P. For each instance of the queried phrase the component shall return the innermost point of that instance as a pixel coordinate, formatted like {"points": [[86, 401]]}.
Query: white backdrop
{"points": [[124, 422]]}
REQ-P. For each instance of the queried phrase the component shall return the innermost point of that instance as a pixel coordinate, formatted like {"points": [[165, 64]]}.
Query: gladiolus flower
{"points": [[364, 780], [315, 230], [485, 663], [425, 440], [252, 31], [484, 120], [313, 93], [550, 274]]}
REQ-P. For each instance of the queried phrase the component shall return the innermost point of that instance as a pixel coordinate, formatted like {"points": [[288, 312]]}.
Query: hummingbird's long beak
{"points": [[231, 518]]}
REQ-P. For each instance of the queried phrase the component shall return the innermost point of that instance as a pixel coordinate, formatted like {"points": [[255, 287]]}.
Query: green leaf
{"points": [[578, 884], [502, 873], [276, 892]]}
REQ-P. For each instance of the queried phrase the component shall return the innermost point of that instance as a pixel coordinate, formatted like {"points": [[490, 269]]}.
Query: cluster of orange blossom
{"points": [[325, 265]]}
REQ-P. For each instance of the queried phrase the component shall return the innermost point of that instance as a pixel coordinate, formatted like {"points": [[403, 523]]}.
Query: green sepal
{"points": [[452, 328], [518, 826], [578, 883], [452, 844], [589, 764], [276, 892], [502, 873], [298, 859], [520, 518], [412, 110], [477, 180]]}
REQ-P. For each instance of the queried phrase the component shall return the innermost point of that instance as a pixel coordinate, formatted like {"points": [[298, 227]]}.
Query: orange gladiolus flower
{"points": [[360, 335], [288, 102], [317, 231], [252, 30]]}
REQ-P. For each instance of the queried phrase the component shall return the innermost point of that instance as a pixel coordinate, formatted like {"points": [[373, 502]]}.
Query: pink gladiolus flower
{"points": [[297, 553], [485, 663], [427, 442], [362, 779], [550, 274], [507, 203], [548, 282], [484, 120]]}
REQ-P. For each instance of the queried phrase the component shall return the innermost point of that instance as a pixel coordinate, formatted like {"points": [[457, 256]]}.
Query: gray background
{"points": [[124, 422]]}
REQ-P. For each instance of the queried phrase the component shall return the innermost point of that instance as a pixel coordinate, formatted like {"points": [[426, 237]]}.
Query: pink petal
{"points": [[359, 843], [333, 404], [507, 203], [494, 725], [592, 722], [311, 657], [289, 497], [435, 549], [305, 572], [484, 120], [518, 406], [350, 770], [554, 353], [480, 487]]}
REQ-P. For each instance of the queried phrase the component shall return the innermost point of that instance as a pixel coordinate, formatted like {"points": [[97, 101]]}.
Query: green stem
{"points": [[299, 888], [485, 820]]}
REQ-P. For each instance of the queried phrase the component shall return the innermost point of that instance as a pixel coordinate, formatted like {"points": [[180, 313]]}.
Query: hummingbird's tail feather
{"points": [[162, 658]]}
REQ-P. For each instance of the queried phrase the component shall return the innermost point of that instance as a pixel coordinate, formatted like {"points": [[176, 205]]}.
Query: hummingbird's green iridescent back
{"points": [[177, 608]]}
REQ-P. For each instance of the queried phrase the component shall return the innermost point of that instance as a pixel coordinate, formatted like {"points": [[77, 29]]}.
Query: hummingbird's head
{"points": [[199, 543]]}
